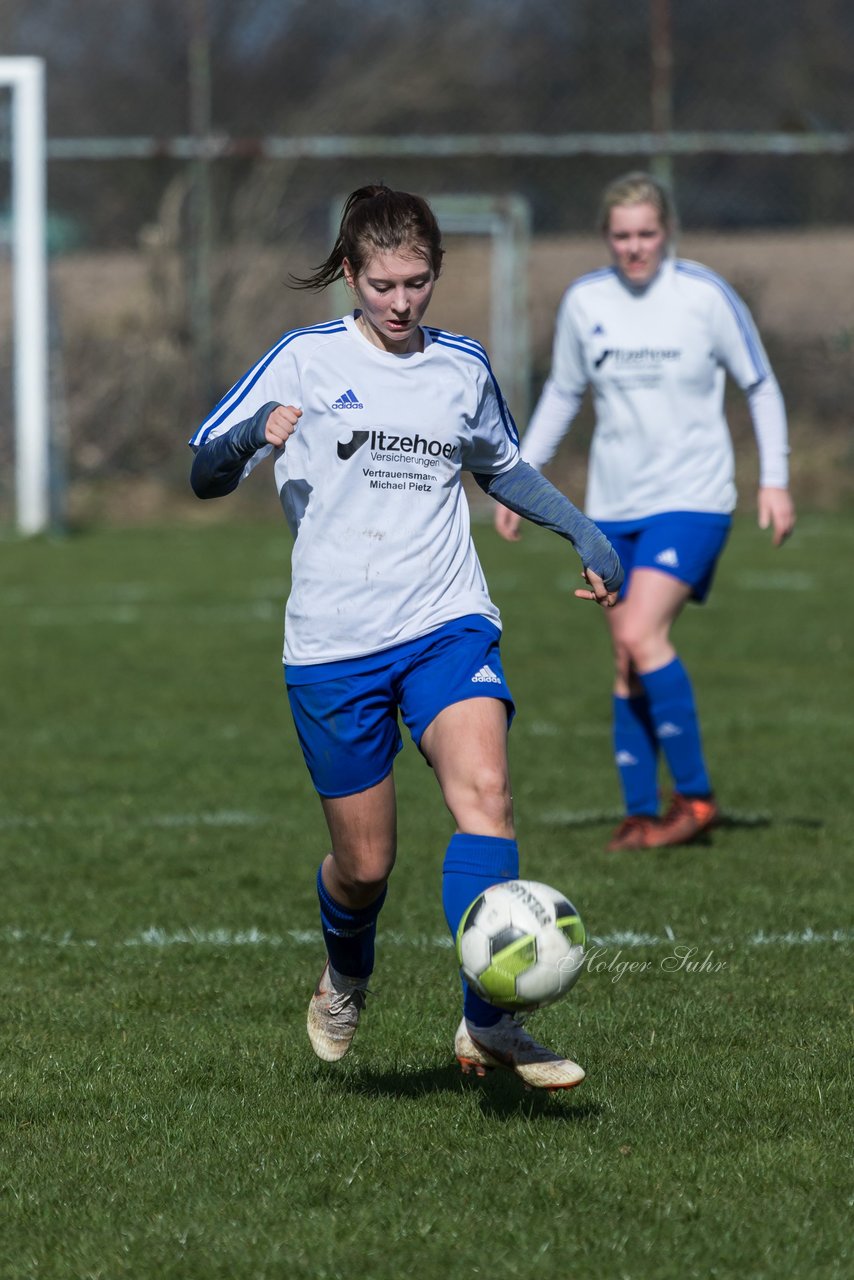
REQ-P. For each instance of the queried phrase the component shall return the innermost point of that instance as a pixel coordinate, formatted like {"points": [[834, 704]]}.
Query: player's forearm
{"points": [[768, 414], [219, 464], [549, 423], [529, 494]]}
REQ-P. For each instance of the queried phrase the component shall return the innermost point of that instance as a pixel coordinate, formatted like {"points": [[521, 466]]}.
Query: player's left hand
{"points": [[598, 591], [777, 511]]}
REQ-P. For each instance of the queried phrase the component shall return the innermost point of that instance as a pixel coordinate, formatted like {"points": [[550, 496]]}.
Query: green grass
{"points": [[162, 1115]]}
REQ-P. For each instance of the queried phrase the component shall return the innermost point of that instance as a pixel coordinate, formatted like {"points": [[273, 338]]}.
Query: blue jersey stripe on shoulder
{"points": [[590, 277], [243, 385], [471, 348], [696, 271], [436, 334], [461, 343]]}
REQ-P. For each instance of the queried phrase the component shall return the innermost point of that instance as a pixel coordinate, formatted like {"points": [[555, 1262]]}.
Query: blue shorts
{"points": [[346, 713], [685, 544]]}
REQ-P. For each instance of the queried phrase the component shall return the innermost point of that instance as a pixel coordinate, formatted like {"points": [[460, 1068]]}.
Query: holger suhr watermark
{"points": [[680, 959]]}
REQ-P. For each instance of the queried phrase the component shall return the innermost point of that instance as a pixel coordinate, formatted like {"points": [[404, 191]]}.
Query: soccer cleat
{"points": [[508, 1045], [687, 818], [333, 1013], [634, 832]]}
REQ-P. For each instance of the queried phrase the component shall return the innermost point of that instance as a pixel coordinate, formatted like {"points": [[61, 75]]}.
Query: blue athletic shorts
{"points": [[346, 713], [685, 544]]}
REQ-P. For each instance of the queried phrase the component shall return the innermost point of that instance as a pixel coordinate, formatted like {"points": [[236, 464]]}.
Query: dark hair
{"points": [[375, 219]]}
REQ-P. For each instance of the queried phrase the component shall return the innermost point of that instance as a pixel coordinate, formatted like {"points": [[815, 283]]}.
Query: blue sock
{"points": [[472, 864], [349, 934], [636, 754], [674, 714]]}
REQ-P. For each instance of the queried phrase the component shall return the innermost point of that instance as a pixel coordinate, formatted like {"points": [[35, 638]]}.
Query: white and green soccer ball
{"points": [[520, 945]]}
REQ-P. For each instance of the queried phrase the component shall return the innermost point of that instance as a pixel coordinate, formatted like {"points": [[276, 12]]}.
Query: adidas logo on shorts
{"points": [[486, 676], [668, 557]]}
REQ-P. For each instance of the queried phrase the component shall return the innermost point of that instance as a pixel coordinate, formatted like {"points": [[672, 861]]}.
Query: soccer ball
{"points": [[520, 945]]}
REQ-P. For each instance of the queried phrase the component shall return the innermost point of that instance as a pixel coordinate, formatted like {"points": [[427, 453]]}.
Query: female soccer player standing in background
{"points": [[371, 420], [654, 336]]}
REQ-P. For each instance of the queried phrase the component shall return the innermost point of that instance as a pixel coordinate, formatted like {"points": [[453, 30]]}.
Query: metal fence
{"points": [[171, 248]]}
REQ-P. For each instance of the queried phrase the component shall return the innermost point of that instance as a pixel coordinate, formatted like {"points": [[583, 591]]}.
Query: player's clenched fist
{"points": [[281, 424]]}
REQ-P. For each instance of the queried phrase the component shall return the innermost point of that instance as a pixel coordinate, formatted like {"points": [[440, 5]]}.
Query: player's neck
{"points": [[413, 342]]}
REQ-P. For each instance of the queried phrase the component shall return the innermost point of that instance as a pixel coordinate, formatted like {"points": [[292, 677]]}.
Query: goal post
{"points": [[506, 220], [26, 79]]}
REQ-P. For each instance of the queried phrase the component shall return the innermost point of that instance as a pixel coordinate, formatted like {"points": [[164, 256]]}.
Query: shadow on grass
{"points": [[731, 821], [500, 1095]]}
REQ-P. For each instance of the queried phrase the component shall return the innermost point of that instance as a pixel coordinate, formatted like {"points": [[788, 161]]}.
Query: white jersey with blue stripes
{"points": [[656, 359], [370, 482]]}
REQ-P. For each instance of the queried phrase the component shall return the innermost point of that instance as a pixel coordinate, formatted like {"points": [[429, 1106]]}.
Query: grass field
{"points": [[162, 1114]]}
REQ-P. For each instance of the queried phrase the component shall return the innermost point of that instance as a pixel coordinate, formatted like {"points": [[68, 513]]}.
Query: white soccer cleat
{"points": [[333, 1013], [508, 1045]]}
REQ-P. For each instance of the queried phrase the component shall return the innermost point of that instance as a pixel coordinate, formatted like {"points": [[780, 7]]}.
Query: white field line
{"points": [[779, 580], [158, 938], [147, 592], [217, 818], [129, 614], [131, 603]]}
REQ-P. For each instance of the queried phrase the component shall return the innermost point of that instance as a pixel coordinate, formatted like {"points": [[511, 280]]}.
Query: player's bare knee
{"points": [[484, 803], [636, 652], [363, 875]]}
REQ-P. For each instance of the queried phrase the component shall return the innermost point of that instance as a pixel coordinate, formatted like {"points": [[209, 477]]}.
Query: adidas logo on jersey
{"points": [[668, 557], [349, 400], [486, 676]]}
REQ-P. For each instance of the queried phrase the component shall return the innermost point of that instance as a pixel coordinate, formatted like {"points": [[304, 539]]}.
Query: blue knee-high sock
{"points": [[349, 934], [636, 754], [472, 864], [674, 714]]}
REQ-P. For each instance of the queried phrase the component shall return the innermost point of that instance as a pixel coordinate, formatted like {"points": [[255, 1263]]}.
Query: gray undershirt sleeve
{"points": [[219, 464], [531, 495]]}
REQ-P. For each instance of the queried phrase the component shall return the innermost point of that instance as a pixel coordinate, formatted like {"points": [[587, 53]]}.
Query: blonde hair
{"points": [[639, 188]]}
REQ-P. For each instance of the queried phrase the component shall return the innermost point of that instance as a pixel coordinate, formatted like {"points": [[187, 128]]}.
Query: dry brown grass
{"points": [[131, 402]]}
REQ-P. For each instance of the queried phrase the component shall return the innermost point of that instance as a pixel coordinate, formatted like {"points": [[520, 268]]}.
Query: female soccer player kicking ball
{"points": [[370, 421], [655, 336]]}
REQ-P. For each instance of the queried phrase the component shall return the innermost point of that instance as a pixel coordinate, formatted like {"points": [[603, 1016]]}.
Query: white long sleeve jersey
{"points": [[370, 482], [657, 360]]}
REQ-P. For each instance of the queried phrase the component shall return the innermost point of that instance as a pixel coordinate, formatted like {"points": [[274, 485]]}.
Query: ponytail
{"points": [[377, 219]]}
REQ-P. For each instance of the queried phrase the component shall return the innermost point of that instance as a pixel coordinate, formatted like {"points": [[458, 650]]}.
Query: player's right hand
{"points": [[598, 591], [281, 424], [507, 523], [776, 510]]}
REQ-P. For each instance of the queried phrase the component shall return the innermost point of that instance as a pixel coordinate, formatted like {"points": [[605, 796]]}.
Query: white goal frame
{"points": [[506, 219], [26, 79]]}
